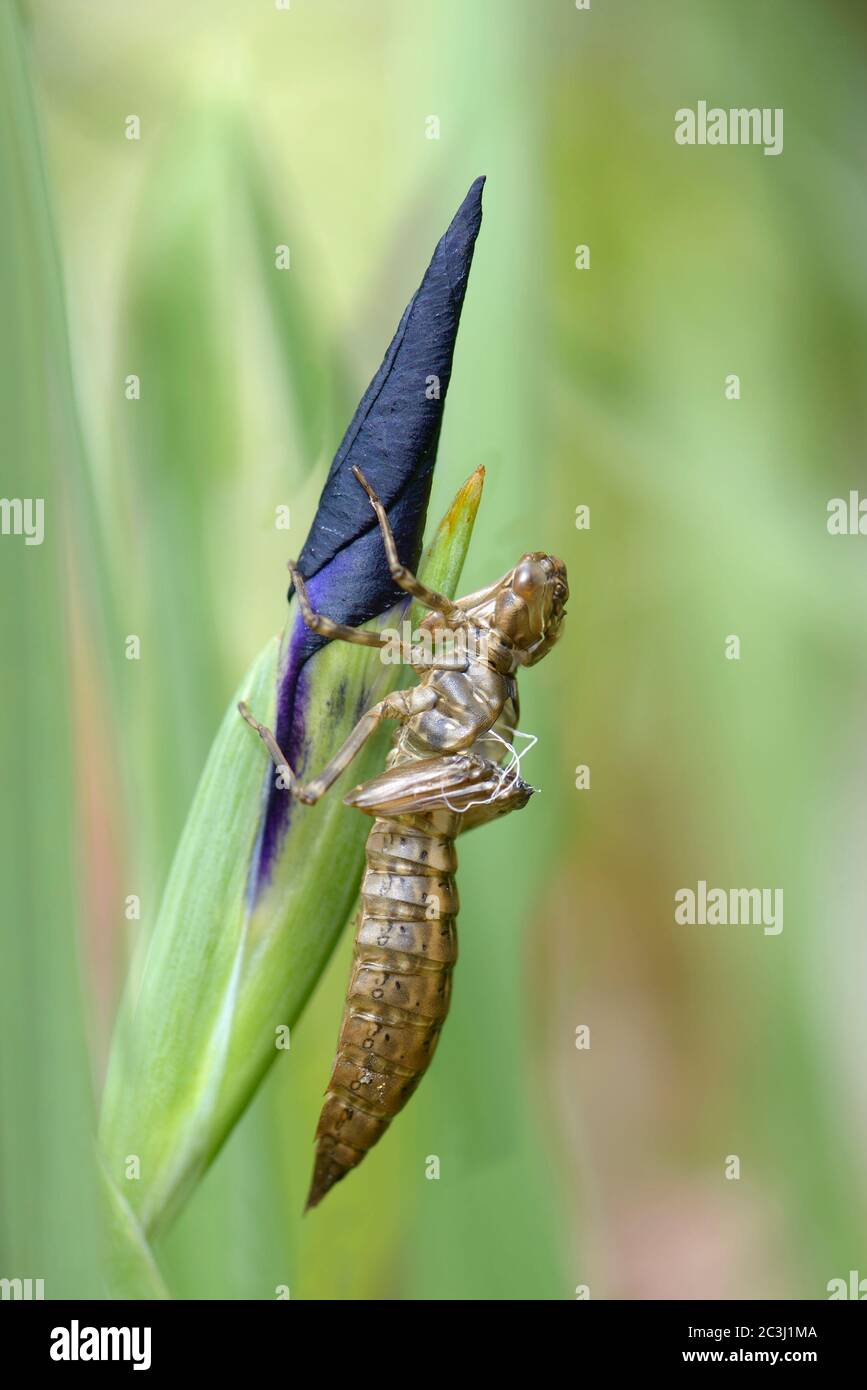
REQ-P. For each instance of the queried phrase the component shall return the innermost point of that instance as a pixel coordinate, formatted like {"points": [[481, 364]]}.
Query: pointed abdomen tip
{"points": [[325, 1174]]}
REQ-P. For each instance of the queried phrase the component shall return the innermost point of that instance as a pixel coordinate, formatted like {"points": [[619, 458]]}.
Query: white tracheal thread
{"points": [[513, 767]]}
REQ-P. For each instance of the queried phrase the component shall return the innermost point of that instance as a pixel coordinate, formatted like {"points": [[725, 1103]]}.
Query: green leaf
{"points": [[49, 1194], [130, 1263]]}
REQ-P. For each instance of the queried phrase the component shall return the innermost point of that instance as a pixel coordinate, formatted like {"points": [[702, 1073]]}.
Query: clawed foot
{"points": [[286, 778]]}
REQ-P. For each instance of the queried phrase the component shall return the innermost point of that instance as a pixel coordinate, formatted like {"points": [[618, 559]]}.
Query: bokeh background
{"points": [[560, 1167]]}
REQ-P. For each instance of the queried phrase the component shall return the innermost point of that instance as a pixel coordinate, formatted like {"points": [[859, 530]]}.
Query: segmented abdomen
{"points": [[398, 996]]}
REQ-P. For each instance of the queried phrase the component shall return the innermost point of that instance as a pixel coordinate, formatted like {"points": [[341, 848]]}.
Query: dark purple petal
{"points": [[393, 439]]}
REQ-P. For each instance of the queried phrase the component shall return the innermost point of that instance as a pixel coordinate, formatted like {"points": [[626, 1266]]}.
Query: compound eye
{"points": [[529, 578]]}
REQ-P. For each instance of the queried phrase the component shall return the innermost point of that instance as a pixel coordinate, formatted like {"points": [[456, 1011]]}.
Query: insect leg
{"points": [[399, 573], [402, 704], [326, 627]]}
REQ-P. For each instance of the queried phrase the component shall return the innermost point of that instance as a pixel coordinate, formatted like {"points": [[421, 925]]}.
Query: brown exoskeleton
{"points": [[443, 776]]}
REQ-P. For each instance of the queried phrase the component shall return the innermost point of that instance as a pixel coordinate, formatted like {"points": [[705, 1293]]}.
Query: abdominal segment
{"points": [[398, 996]]}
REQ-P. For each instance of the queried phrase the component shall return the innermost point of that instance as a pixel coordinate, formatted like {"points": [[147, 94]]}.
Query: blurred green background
{"points": [[307, 127]]}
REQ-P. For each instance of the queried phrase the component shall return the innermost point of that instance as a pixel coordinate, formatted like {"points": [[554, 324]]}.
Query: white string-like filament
{"points": [[513, 767]]}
